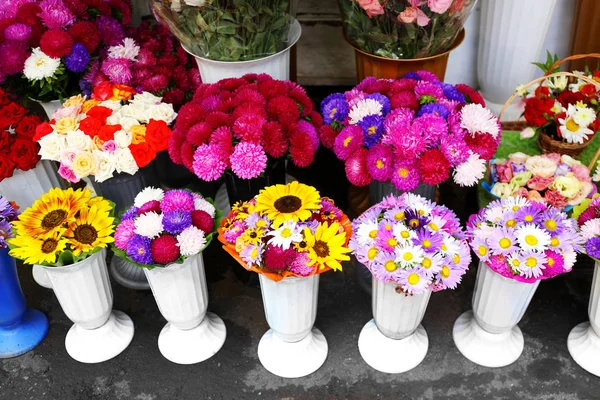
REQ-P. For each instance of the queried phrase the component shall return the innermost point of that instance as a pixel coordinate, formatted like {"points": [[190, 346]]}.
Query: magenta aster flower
{"points": [[455, 149], [13, 57], [310, 130], [111, 31], [18, 32], [117, 70], [356, 168], [555, 264], [124, 233], [248, 160], [432, 127], [277, 258], [178, 199], [55, 14], [248, 127], [428, 90], [208, 164], [428, 76], [380, 162], [348, 141], [300, 265]]}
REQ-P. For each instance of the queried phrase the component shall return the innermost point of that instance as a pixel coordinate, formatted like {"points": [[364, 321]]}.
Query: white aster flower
{"points": [[149, 225], [367, 232], [569, 256], [191, 241], [419, 203], [364, 108], [402, 234], [129, 50], [203, 205], [450, 246], [583, 115], [494, 214], [469, 172], [409, 255], [515, 203], [40, 66], [531, 237], [289, 232], [476, 118], [148, 194], [591, 229]]}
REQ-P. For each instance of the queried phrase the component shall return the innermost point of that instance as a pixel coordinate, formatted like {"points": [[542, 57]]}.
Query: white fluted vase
{"points": [[489, 335], [394, 341], [25, 187], [50, 107], [191, 335], [292, 348], [584, 339], [84, 293]]}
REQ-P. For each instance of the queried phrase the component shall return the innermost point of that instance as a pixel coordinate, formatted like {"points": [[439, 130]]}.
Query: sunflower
{"points": [[102, 204], [294, 201], [92, 229], [42, 250], [326, 246]]}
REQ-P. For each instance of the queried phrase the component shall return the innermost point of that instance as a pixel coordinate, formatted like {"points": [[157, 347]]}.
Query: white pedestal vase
{"points": [[84, 293], [191, 335], [488, 335], [394, 341], [292, 348], [276, 65], [584, 339]]}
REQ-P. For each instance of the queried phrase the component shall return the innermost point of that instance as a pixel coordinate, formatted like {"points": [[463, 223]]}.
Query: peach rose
{"points": [[408, 16], [371, 7]]}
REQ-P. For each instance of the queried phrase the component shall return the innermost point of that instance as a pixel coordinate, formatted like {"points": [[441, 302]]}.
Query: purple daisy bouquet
{"points": [[165, 227], [588, 220], [412, 242], [524, 240], [8, 213]]}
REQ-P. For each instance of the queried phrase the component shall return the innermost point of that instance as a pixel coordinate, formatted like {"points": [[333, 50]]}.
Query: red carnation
{"points": [[27, 125], [302, 149], [567, 97], [90, 126], [356, 168], [149, 206], [203, 221], [588, 90], [483, 144], [284, 110], [164, 249], [471, 94], [142, 153], [274, 140], [24, 153], [542, 92], [157, 135], [11, 114], [277, 258], [107, 132], [44, 129], [56, 43], [327, 135], [434, 167], [536, 108], [100, 112], [175, 141]]}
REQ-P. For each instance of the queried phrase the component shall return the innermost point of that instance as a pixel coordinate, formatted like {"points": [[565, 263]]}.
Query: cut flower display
{"points": [[8, 213], [287, 230], [524, 240], [588, 220], [409, 131], [411, 242]]}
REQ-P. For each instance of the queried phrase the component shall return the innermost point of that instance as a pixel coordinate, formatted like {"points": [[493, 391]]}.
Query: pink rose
{"points": [[65, 112], [422, 19], [539, 183], [371, 7], [520, 192], [439, 6], [534, 195], [556, 199], [408, 16], [504, 172], [67, 173], [109, 146]]}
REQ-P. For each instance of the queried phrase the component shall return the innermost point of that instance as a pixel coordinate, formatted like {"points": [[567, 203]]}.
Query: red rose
{"points": [[7, 167], [567, 97], [158, 134], [90, 126], [536, 108], [11, 114], [24, 153], [107, 132], [143, 153], [102, 92], [99, 112], [6, 140], [4, 98], [42, 130], [27, 125]]}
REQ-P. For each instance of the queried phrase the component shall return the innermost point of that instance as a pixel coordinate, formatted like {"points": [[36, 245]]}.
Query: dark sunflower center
{"points": [[49, 246], [288, 204], [53, 219], [85, 234], [321, 248]]}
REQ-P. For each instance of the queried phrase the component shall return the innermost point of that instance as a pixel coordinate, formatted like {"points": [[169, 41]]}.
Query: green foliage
{"points": [[550, 60]]}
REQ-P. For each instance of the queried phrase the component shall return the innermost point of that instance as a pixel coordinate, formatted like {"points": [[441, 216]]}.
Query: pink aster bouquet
{"points": [[244, 124], [588, 219], [165, 227], [151, 60], [524, 240], [408, 131], [287, 230], [412, 242], [555, 179], [47, 45]]}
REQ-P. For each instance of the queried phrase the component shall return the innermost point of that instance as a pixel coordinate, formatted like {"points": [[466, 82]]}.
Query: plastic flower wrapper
{"points": [[287, 230], [165, 227], [409, 131], [411, 242], [524, 240], [62, 227]]}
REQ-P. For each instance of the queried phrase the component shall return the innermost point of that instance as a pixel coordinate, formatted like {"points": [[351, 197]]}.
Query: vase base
{"points": [[392, 356], [584, 347], [194, 345], [119, 271], [23, 336], [98, 345], [484, 348], [292, 360]]}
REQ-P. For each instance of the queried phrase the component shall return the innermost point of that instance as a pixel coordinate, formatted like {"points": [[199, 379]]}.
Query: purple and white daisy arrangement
{"points": [[524, 240], [164, 227], [412, 242], [589, 226]]}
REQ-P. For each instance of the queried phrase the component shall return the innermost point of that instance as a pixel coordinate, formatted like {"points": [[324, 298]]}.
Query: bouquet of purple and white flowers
{"points": [[588, 219], [413, 242], [8, 213]]}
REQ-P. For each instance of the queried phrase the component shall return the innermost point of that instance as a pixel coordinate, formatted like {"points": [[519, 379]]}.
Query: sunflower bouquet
{"points": [[287, 230], [63, 227]]}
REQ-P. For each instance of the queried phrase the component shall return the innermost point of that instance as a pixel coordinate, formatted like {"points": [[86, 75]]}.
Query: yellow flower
{"points": [[253, 235], [83, 164], [74, 101], [520, 179], [92, 229], [294, 201], [138, 134], [326, 246], [66, 125], [42, 250], [567, 186], [89, 104], [101, 203]]}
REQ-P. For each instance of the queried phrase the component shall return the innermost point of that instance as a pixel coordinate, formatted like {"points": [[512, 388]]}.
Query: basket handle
{"points": [[571, 58]]}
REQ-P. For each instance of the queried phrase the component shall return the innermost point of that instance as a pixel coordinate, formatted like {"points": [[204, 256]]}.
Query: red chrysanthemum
{"points": [[356, 168], [434, 167], [316, 119], [299, 95], [199, 133], [56, 43], [150, 206], [277, 259], [189, 115], [472, 95], [249, 108], [302, 149], [483, 144], [272, 88], [248, 127], [231, 84], [77, 7], [217, 119], [187, 155], [379, 86], [86, 33], [284, 110], [327, 135], [155, 83], [401, 85], [274, 139], [203, 221], [164, 249], [222, 140], [174, 96], [405, 99], [175, 142]]}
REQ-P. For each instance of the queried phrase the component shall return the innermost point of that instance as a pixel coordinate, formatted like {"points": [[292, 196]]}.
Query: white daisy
{"points": [[476, 118], [149, 225], [364, 108], [583, 115], [432, 264], [419, 203], [191, 241], [402, 234], [515, 203], [204, 205], [129, 50], [450, 246], [530, 237], [570, 130], [148, 194], [408, 255], [436, 223], [367, 232], [514, 261], [289, 232], [40, 66], [591, 229], [469, 172]]}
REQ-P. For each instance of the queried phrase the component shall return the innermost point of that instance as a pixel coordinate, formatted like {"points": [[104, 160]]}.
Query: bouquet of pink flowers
{"points": [[408, 131], [243, 124]]}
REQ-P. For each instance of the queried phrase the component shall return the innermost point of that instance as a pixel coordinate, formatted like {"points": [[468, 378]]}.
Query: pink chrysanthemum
{"points": [[211, 103], [13, 57], [250, 96], [424, 88], [248, 160], [123, 233], [300, 265], [248, 127], [356, 168], [348, 141], [405, 175], [555, 264], [176, 200], [428, 76], [397, 122], [234, 231], [454, 120], [221, 139], [431, 127], [451, 105], [379, 162], [354, 96], [117, 70], [208, 164], [454, 149], [55, 14], [407, 143], [18, 32]]}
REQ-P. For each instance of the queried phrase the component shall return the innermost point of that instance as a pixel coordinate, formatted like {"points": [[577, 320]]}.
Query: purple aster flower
{"points": [[385, 238], [435, 109], [428, 92], [55, 14], [18, 32], [177, 199], [503, 241], [334, 108], [381, 99], [176, 221], [7, 211], [79, 58], [384, 267], [553, 221], [372, 127], [5, 233], [454, 149], [111, 31], [412, 75], [449, 275], [117, 70], [131, 213], [530, 214], [451, 92], [428, 240], [138, 249], [252, 254], [414, 220], [86, 87]]}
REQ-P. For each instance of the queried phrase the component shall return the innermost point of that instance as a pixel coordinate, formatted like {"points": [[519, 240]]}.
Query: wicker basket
{"points": [[549, 145]]}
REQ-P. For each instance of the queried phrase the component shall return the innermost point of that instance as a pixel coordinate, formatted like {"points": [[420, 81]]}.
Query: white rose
{"points": [[52, 145], [125, 161], [127, 122], [114, 119], [542, 166], [570, 161], [123, 139], [126, 111], [114, 105], [146, 97], [162, 112], [140, 112], [79, 140], [105, 165], [527, 133]]}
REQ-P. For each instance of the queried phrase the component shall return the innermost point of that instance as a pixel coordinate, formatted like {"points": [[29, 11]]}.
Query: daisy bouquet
{"points": [[165, 227], [588, 219], [8, 213], [116, 131], [47, 45], [62, 227], [287, 230], [408, 131], [244, 124], [18, 150], [524, 240], [412, 242], [555, 179]]}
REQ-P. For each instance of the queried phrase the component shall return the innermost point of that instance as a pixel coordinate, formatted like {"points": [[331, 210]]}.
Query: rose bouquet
{"points": [[287, 230], [47, 45], [524, 240], [399, 29], [560, 181], [244, 124], [62, 227], [165, 227], [409, 131], [412, 242], [116, 130], [18, 150]]}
